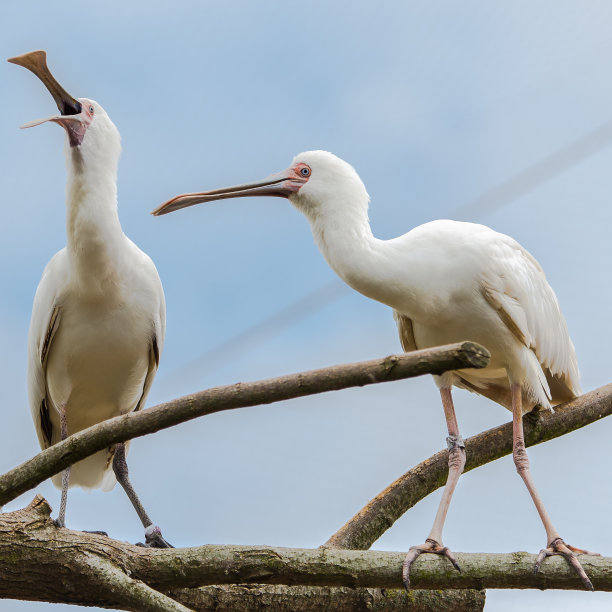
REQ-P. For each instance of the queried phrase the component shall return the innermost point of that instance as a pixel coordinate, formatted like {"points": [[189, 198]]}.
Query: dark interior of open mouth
{"points": [[70, 108]]}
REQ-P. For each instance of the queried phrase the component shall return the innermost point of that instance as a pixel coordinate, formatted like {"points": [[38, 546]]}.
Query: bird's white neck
{"points": [[364, 262], [94, 235]]}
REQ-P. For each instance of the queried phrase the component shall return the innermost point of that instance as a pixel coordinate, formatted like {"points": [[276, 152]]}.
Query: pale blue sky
{"points": [[433, 103]]}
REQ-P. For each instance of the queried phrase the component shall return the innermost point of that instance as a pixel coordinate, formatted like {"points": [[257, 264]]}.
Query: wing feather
{"points": [[153, 364], [406, 331], [516, 287], [45, 321]]}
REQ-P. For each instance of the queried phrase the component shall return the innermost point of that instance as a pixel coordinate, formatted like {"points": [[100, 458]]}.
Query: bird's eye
{"points": [[305, 171], [91, 109]]}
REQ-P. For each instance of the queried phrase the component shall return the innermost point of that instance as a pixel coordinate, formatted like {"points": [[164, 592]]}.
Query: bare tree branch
{"points": [[40, 561], [119, 429], [250, 598], [356, 568], [131, 594], [381, 512]]}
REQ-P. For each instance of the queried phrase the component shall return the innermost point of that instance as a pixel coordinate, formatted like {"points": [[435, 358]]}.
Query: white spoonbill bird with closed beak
{"points": [[99, 315], [446, 282]]}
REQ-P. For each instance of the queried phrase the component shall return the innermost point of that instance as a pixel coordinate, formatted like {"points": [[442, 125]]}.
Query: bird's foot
{"points": [[559, 547], [96, 532], [430, 546], [59, 523], [154, 538]]}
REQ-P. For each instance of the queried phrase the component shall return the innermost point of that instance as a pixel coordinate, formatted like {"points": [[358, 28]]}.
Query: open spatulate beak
{"points": [[36, 62], [71, 117], [281, 185]]}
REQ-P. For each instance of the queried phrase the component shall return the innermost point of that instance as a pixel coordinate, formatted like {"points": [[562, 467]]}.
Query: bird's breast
{"points": [[97, 363], [458, 322]]}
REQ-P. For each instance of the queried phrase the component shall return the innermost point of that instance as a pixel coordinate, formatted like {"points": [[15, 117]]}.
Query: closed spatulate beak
{"points": [[282, 184]]}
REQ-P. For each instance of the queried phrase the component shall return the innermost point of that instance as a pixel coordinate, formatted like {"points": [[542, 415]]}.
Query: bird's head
{"points": [[333, 185], [87, 125], [314, 182]]}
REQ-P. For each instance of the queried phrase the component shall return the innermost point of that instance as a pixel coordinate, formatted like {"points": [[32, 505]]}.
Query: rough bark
{"points": [[361, 531], [119, 429], [42, 562], [254, 597]]}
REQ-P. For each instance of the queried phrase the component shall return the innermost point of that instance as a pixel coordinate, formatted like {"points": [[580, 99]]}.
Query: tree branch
{"points": [[40, 562], [43, 562], [249, 598], [380, 513], [119, 429], [207, 565], [131, 594]]}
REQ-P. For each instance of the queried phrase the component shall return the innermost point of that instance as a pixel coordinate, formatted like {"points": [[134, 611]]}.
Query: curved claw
{"points": [[414, 552], [411, 557], [540, 558], [449, 555], [570, 553]]}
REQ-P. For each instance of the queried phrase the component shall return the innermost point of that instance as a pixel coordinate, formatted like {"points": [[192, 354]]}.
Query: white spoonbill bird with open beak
{"points": [[99, 315], [446, 282]]}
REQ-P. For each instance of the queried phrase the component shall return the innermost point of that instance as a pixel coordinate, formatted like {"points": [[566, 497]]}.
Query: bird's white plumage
{"points": [[98, 320], [447, 281]]}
